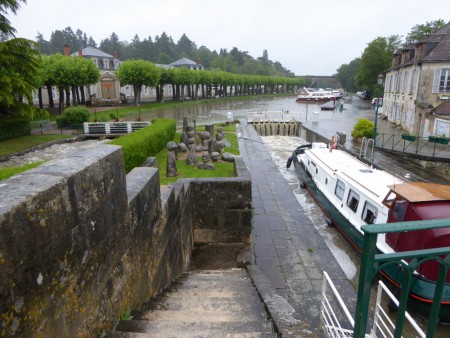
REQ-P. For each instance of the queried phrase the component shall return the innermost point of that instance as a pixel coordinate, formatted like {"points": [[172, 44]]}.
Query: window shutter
{"points": [[436, 80]]}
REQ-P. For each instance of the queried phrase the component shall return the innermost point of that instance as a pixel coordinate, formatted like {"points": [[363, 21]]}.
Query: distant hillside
{"points": [[163, 50]]}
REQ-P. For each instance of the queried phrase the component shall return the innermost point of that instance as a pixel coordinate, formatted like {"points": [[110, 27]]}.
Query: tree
{"points": [[346, 74], [19, 65], [186, 47], [375, 59], [5, 6], [418, 32], [138, 73]]}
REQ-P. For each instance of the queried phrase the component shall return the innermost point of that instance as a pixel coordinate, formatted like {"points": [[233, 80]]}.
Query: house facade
{"points": [[417, 86]]}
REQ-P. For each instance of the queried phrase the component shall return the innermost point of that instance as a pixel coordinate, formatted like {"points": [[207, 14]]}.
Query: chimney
{"points": [[116, 55], [80, 52], [197, 61], [66, 50]]}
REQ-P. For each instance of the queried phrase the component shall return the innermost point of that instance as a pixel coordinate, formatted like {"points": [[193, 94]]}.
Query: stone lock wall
{"points": [[81, 242]]}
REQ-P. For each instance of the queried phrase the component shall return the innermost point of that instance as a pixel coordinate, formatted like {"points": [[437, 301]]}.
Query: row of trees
{"points": [[23, 69], [163, 50], [139, 73], [361, 73]]}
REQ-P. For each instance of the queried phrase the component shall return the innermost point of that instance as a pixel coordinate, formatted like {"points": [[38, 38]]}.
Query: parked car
{"points": [[364, 95], [377, 100]]}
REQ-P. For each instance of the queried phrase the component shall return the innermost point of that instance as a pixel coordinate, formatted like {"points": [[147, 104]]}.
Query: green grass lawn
{"points": [[15, 145], [11, 171], [223, 169]]}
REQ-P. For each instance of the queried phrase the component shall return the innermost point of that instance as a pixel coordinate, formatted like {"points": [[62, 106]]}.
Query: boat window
{"points": [[399, 210], [389, 199], [353, 200], [326, 181], [340, 189], [369, 214]]}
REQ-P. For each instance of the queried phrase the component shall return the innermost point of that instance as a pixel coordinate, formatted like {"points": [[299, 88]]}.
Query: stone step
{"points": [[117, 334], [211, 286], [210, 303], [205, 316], [207, 293], [210, 279], [214, 303], [166, 329]]}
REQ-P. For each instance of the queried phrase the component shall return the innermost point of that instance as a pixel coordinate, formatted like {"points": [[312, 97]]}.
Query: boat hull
{"points": [[422, 290], [312, 100]]}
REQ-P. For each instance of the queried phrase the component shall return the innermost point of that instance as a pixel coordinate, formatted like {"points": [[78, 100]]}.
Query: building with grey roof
{"points": [[417, 86]]}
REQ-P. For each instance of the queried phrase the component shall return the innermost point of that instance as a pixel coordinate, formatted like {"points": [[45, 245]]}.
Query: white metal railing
{"points": [[273, 116], [100, 128], [337, 322]]}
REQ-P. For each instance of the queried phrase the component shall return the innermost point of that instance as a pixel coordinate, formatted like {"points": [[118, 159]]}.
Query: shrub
{"points": [[76, 115], [12, 128], [146, 142], [73, 116], [363, 128]]}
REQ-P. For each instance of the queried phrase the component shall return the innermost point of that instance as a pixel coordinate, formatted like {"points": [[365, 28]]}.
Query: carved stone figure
{"points": [[220, 135], [205, 164], [192, 156], [171, 168]]}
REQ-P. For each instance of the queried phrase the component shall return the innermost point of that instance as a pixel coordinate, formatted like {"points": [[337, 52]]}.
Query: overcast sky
{"points": [[312, 37]]}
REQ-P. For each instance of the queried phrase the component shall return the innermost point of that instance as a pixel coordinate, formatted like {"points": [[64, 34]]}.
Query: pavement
{"points": [[289, 254]]}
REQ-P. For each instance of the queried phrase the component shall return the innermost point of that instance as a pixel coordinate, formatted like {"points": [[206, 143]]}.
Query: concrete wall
{"points": [[81, 242]]}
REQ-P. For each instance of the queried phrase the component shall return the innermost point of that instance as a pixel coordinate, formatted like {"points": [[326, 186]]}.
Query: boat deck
{"points": [[374, 182]]}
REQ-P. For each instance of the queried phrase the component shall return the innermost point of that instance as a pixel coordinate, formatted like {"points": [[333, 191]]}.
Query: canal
{"points": [[280, 148]]}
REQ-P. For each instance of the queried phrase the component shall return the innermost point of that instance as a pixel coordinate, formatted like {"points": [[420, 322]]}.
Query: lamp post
{"points": [[307, 104], [380, 79]]}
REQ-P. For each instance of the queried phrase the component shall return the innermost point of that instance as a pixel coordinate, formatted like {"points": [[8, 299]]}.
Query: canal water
{"points": [[280, 148]]}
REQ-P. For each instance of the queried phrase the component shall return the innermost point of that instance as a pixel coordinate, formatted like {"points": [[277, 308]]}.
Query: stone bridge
{"points": [[322, 81]]}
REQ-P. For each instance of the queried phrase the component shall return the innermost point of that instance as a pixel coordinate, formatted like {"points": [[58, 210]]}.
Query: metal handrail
{"points": [[413, 145], [372, 263]]}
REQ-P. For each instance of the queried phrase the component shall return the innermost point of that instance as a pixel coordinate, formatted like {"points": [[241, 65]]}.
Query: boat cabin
{"points": [[415, 201]]}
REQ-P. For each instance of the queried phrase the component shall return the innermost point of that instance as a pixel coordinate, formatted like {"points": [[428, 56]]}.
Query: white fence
{"points": [[112, 128]]}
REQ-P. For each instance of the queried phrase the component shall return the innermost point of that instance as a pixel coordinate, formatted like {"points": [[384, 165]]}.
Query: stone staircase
{"points": [[202, 303]]}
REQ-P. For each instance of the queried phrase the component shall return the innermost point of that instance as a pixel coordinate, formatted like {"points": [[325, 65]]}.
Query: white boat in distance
{"points": [[320, 95]]}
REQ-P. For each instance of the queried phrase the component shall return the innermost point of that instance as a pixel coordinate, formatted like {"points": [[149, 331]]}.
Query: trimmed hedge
{"points": [[14, 128], [146, 142]]}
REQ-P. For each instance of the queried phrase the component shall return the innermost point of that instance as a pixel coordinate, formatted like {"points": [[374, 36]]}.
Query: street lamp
{"points": [[307, 104], [380, 79]]}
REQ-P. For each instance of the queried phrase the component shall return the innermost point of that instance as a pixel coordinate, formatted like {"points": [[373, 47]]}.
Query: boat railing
{"points": [[337, 322], [366, 144], [430, 147], [372, 262]]}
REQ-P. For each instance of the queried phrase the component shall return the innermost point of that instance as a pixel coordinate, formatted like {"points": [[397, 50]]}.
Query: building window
{"points": [[105, 64], [340, 189], [369, 214], [441, 81], [405, 81], [95, 62]]}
